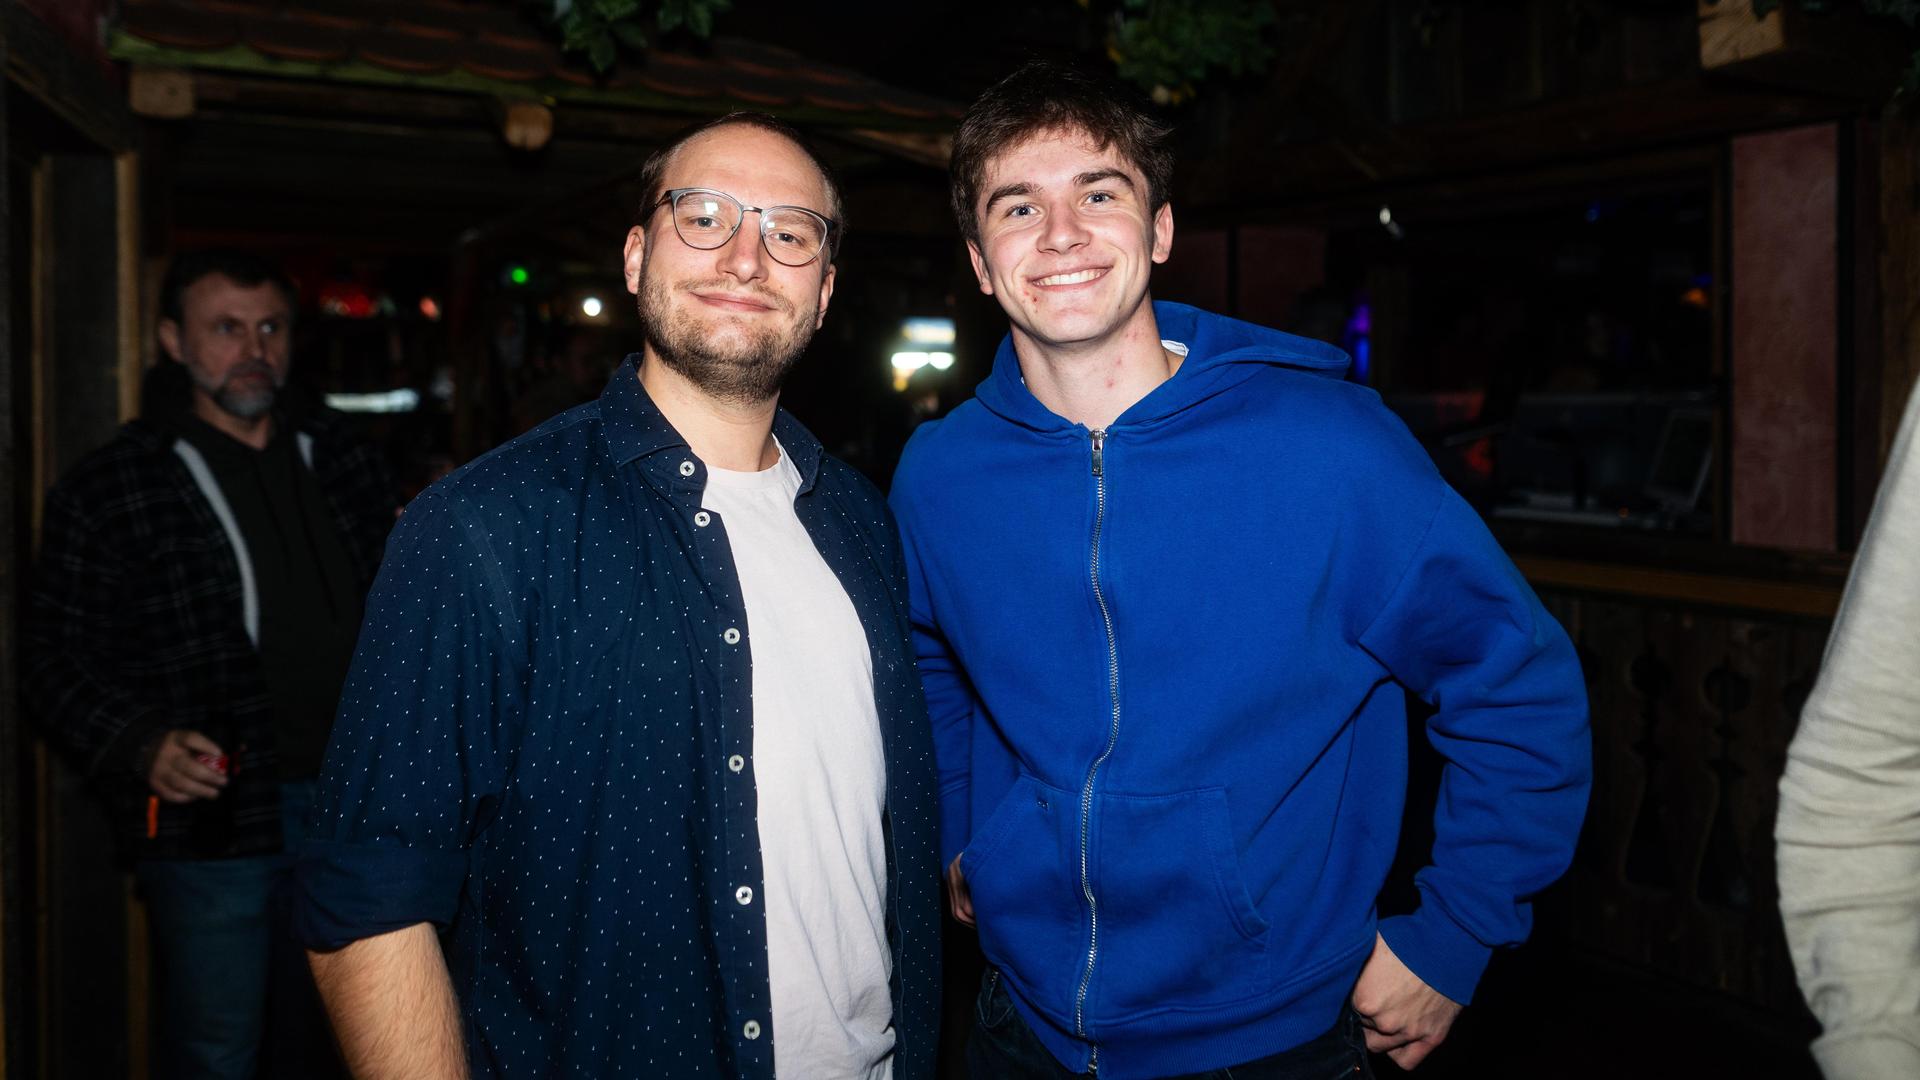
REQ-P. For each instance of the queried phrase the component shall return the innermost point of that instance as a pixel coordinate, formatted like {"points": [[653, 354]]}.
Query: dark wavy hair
{"points": [[1043, 97], [654, 170]]}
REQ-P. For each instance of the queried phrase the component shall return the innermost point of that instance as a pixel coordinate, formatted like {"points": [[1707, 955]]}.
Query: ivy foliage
{"points": [[599, 29], [1168, 47]]}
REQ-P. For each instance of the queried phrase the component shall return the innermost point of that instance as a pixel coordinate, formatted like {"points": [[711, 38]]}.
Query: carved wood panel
{"points": [[1692, 712]]}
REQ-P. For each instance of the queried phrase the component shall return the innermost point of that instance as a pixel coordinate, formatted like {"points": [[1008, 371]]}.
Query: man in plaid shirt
{"points": [[189, 625]]}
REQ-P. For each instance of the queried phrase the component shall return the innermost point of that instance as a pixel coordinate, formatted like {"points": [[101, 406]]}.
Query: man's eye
{"points": [[1100, 197], [786, 238], [1023, 210], [269, 328], [226, 326]]}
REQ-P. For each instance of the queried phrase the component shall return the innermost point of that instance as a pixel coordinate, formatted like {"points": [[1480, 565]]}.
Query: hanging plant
{"points": [[1169, 47], [599, 29]]}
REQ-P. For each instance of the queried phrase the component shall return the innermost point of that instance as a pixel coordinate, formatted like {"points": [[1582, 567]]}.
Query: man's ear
{"points": [[634, 256], [1163, 232], [826, 295], [169, 334], [979, 268]]}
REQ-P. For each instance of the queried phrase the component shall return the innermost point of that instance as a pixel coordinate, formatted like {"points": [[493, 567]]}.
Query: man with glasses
{"points": [[1167, 570], [633, 732]]}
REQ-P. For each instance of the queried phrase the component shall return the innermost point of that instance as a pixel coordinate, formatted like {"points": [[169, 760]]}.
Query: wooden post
{"points": [[1899, 265]]}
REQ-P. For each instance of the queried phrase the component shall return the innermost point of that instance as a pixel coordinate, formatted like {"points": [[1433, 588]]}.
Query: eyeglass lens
{"points": [[706, 220]]}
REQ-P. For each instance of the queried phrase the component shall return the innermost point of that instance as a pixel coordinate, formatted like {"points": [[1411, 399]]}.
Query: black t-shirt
{"points": [[310, 606]]}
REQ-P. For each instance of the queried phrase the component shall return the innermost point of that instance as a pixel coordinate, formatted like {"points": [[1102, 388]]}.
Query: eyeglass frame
{"points": [[829, 242]]}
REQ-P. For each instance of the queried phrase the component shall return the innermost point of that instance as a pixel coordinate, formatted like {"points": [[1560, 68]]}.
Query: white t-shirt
{"points": [[820, 775]]}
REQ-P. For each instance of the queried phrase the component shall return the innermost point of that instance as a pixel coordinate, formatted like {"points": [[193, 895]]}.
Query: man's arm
{"points": [[74, 627], [433, 695], [1462, 629], [951, 703], [392, 1006], [1849, 825]]}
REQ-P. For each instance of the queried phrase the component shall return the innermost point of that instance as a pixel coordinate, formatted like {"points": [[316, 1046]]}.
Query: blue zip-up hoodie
{"points": [[1162, 663]]}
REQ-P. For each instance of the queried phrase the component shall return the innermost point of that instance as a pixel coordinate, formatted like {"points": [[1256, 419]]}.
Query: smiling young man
{"points": [[1170, 573], [634, 721]]}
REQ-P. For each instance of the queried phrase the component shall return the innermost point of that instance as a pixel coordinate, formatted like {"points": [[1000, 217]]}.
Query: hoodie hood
{"points": [[1221, 353]]}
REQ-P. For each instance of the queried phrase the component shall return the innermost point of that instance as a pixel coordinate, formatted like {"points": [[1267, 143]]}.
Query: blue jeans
{"points": [[1003, 1047], [229, 976]]}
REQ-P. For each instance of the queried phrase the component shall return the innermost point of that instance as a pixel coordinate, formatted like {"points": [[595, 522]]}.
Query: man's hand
{"points": [[177, 775], [958, 898], [1404, 1017]]}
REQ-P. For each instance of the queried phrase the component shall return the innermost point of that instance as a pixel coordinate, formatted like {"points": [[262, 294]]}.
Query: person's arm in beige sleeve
{"points": [[1848, 833]]}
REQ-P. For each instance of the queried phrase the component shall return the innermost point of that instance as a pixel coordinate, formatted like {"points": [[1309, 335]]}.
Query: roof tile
{"points": [[179, 25], [288, 40], [500, 40], [408, 54]]}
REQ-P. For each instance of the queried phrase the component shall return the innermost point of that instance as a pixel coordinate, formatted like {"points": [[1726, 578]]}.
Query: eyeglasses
{"points": [[707, 219]]}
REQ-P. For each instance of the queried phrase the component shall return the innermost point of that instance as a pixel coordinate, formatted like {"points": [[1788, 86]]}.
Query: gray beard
{"points": [[749, 373], [238, 403]]}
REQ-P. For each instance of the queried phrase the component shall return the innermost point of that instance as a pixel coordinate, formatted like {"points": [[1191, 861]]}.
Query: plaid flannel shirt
{"points": [[134, 624]]}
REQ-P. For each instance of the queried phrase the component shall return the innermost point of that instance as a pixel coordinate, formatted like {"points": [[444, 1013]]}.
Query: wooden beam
{"points": [[1899, 266], [526, 125], [41, 63], [1836, 52], [1579, 131], [1730, 33], [160, 93], [920, 147], [12, 770], [127, 269], [1735, 593]]}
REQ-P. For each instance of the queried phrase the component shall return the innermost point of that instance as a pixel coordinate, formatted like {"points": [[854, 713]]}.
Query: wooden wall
{"points": [[1692, 712]]}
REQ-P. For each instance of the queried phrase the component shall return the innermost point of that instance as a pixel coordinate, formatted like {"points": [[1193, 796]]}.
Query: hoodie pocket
{"points": [[1022, 871], [1177, 926]]}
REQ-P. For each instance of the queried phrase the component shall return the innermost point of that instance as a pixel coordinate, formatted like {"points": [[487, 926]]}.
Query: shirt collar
{"points": [[636, 428]]}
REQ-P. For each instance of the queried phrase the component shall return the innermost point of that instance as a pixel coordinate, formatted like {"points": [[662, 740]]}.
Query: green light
{"points": [[518, 274]]}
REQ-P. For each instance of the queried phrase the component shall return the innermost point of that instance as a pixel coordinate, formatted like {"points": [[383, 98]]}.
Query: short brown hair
{"points": [[654, 170], [1041, 97]]}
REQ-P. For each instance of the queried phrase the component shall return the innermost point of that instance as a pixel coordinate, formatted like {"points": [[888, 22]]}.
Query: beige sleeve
{"points": [[1849, 826]]}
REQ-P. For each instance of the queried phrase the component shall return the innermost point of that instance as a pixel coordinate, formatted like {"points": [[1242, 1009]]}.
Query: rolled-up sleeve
{"points": [[418, 755]]}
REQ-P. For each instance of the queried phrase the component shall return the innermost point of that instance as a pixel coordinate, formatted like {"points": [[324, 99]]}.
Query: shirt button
{"points": [[736, 763], [731, 637], [702, 518], [751, 1029], [686, 468], [744, 894]]}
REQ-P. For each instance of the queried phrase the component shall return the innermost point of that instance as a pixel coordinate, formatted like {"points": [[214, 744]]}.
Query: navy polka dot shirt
{"points": [[545, 749]]}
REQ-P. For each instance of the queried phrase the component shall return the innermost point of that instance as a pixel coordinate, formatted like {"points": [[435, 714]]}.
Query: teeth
{"points": [[1071, 279]]}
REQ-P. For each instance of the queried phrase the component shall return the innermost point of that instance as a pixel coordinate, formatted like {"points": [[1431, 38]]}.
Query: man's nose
{"points": [[1064, 231], [744, 256]]}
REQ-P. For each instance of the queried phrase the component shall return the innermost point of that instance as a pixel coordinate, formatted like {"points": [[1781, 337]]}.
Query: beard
{"points": [[246, 399], [729, 361]]}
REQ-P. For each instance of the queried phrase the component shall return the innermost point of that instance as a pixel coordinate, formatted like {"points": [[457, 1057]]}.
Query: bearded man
{"points": [[632, 776], [188, 629]]}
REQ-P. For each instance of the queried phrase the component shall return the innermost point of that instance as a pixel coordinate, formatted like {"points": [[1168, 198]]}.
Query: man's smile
{"points": [[734, 301], [1073, 277]]}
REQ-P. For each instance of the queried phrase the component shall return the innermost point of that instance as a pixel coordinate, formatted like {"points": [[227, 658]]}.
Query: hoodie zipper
{"points": [[1098, 439]]}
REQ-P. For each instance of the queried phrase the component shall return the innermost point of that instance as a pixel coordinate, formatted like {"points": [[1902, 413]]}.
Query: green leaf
{"points": [[601, 53], [630, 35], [700, 20]]}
